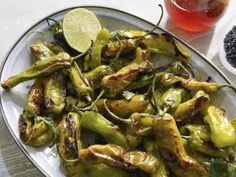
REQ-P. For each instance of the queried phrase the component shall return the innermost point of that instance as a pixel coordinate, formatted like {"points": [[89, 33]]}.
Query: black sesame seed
{"points": [[230, 46]]}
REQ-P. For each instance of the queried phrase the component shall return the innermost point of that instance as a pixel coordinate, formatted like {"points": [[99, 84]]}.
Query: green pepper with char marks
{"points": [[69, 144], [172, 98], [189, 108], [93, 59], [34, 102], [166, 44], [79, 82], [40, 68], [170, 79], [97, 123], [54, 93], [117, 82], [117, 156], [96, 75], [222, 132], [199, 137], [40, 51], [35, 130], [171, 147], [123, 46], [146, 80], [137, 103]]}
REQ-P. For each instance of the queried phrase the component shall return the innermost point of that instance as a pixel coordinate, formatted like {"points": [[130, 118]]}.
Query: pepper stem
{"points": [[156, 26]]}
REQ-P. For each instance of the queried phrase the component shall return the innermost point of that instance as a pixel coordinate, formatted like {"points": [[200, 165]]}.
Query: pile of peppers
{"points": [[143, 119]]}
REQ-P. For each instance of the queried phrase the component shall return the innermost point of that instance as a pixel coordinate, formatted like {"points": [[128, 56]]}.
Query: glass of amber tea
{"points": [[195, 15]]}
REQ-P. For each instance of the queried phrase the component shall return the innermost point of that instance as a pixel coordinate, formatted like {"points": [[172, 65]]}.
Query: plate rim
{"points": [[17, 141]]}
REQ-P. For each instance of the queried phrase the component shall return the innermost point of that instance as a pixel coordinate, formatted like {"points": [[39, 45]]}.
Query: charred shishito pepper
{"points": [[189, 108], [137, 103], [124, 46], [170, 144], [79, 82], [38, 69], [117, 82], [54, 93], [69, 136], [96, 75], [114, 155], [40, 51], [69, 144], [172, 98], [170, 79], [176, 68], [222, 132], [199, 137], [97, 123], [34, 129], [166, 44], [93, 59]]}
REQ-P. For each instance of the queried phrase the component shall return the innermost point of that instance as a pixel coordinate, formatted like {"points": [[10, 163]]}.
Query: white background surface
{"points": [[16, 16]]}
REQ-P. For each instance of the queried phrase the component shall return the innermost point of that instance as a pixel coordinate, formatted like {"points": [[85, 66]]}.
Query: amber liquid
{"points": [[195, 15]]}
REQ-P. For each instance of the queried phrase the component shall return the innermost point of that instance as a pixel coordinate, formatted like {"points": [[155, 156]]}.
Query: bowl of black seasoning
{"points": [[227, 39]]}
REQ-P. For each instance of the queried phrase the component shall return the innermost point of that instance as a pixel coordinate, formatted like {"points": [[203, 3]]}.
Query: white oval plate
{"points": [[18, 58]]}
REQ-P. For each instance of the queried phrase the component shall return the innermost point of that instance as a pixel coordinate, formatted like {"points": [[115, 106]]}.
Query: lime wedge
{"points": [[80, 26]]}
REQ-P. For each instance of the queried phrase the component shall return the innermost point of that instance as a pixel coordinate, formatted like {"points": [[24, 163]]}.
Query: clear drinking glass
{"points": [[195, 15]]}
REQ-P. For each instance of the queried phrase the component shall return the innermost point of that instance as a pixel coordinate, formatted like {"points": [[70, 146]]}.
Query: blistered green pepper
{"points": [[137, 103], [119, 62], [54, 93], [93, 59], [172, 98], [97, 74], [166, 44], [78, 80], [141, 124], [198, 137], [114, 155], [123, 46], [222, 132], [69, 142], [171, 146], [40, 51], [117, 82], [40, 68], [189, 108], [97, 123], [170, 79], [175, 68], [34, 102], [35, 130]]}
